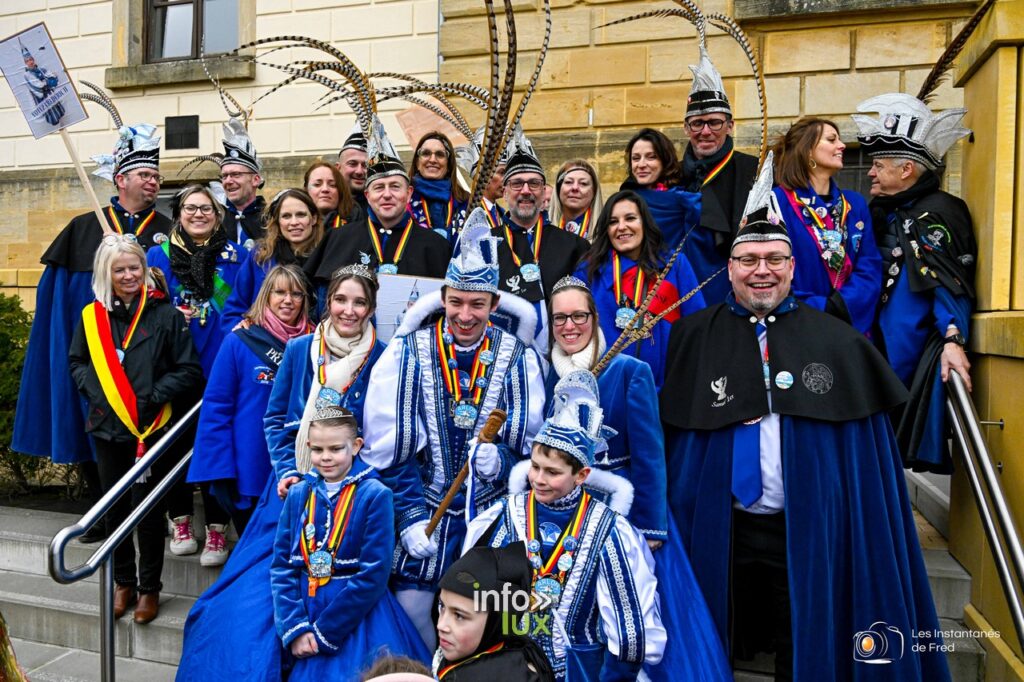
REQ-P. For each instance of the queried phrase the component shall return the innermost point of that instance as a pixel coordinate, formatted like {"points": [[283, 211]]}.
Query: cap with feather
{"points": [[576, 425], [906, 128], [521, 158], [707, 94], [382, 161], [137, 146], [474, 267], [762, 218], [355, 140], [238, 146]]}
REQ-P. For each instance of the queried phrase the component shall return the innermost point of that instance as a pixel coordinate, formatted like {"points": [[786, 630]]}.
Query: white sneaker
{"points": [[215, 552], [183, 541]]}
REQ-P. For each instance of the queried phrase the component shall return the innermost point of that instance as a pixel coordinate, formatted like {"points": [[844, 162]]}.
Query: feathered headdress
{"points": [[906, 128], [762, 218], [355, 140], [136, 146], [382, 159], [521, 156], [707, 94]]}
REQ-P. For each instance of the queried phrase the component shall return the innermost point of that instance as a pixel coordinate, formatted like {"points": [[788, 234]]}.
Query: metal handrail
{"points": [[101, 559], [995, 515]]}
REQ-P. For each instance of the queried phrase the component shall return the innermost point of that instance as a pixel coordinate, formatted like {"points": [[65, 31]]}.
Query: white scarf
{"points": [[565, 363], [345, 357]]}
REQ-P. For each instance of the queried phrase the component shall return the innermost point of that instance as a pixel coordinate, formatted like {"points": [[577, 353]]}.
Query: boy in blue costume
{"points": [[592, 572], [442, 374], [329, 574]]}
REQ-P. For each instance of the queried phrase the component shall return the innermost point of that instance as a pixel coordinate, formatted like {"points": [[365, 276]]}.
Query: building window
{"points": [[854, 175], [182, 29]]}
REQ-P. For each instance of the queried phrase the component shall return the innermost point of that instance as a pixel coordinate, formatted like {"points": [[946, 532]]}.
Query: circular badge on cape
{"points": [[486, 357], [321, 564], [570, 544], [564, 562], [549, 587], [784, 380], [533, 546], [327, 397], [388, 269], [530, 272], [817, 378]]}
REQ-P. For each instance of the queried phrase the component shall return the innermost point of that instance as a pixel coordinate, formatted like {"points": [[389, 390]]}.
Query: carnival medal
{"points": [[327, 397], [388, 269], [530, 272], [465, 415]]}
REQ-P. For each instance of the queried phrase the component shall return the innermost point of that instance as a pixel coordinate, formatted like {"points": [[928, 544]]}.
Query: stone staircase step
{"points": [[48, 663], [950, 583], [965, 655], [39, 610], [25, 536]]}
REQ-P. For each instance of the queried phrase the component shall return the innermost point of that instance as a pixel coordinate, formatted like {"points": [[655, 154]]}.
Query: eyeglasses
{"points": [[774, 262], [192, 209], [579, 317], [430, 154], [517, 185], [295, 295], [236, 175], [713, 124], [146, 177], [112, 239]]}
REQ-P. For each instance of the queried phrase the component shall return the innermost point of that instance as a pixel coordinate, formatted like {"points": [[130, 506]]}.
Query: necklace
{"points": [[464, 409]]}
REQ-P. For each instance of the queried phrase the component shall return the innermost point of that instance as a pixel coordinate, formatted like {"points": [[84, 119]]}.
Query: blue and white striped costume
{"points": [[413, 441]]}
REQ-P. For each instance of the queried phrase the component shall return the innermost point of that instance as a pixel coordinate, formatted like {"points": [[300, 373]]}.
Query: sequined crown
{"points": [[357, 269], [569, 281]]}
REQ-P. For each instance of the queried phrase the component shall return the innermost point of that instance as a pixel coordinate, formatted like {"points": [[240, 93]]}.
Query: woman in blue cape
{"points": [[637, 452], [230, 450], [622, 265], [294, 229], [438, 201], [236, 613], [838, 267]]}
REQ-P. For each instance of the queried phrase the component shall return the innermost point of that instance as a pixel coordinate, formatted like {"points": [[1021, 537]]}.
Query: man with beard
{"points": [[352, 165], [721, 174], [929, 253], [784, 480], [531, 256]]}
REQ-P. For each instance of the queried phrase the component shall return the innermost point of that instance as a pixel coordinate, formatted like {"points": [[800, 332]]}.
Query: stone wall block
{"points": [[558, 109], [88, 51], [607, 66], [425, 17], [314, 24], [609, 107], [404, 55], [841, 93], [783, 96], [393, 19], [61, 23], [900, 44], [656, 104], [946, 96], [808, 50]]}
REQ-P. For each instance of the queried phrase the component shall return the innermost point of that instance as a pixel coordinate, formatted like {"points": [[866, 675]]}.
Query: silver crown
{"points": [[569, 281], [331, 412], [357, 269]]}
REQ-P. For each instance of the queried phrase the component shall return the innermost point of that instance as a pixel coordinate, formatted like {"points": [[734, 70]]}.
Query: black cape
{"points": [[75, 246], [723, 199], [426, 254], [252, 222], [560, 253], [714, 376]]}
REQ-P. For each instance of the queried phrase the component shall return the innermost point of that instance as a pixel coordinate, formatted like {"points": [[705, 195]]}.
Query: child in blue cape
{"points": [[332, 558]]}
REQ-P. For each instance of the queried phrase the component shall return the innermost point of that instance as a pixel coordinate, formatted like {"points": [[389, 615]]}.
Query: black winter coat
{"points": [[161, 364]]}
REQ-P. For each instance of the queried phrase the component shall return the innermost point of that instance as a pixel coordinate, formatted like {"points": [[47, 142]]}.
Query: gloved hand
{"points": [[486, 459], [416, 542]]}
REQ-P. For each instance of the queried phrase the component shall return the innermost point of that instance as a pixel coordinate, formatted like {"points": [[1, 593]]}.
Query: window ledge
{"points": [[774, 9], [185, 71]]}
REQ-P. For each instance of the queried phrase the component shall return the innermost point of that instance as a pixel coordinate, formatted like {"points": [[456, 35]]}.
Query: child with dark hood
{"points": [[482, 604]]}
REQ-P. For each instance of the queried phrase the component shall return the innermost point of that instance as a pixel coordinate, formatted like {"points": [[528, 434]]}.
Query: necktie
{"points": [[746, 451]]}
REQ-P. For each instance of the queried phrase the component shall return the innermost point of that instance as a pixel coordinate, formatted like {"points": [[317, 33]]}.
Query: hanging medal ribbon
{"points": [[319, 559], [530, 271], [718, 168], [582, 227], [493, 216], [465, 409], [545, 580], [448, 217], [328, 396], [448, 668], [389, 268], [829, 237], [106, 361], [627, 310], [138, 230]]}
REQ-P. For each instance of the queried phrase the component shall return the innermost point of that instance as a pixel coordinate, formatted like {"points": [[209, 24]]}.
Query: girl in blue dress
{"points": [[621, 267], [200, 266], [230, 451], [438, 201], [236, 613], [629, 401], [329, 574], [838, 267], [294, 228]]}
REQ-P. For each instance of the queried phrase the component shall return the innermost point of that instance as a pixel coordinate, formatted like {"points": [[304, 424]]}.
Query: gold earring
{"points": [[814, 164]]}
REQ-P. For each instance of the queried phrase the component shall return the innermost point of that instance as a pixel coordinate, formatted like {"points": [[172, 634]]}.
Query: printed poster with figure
{"points": [[396, 295], [35, 71]]}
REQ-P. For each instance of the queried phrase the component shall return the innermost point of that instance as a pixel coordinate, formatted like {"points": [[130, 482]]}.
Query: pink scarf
{"points": [[281, 330]]}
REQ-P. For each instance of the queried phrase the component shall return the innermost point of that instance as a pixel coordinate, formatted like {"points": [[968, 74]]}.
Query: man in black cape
{"points": [[785, 481]]}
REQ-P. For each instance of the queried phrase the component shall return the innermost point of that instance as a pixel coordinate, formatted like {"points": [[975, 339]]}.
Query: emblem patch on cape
{"points": [[513, 284], [364, 258], [817, 378], [718, 386], [263, 375]]}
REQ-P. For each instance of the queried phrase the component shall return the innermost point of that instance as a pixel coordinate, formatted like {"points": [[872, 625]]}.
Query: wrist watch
{"points": [[957, 338]]}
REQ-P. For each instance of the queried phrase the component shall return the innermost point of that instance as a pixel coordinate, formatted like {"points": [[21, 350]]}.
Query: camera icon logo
{"points": [[881, 643]]}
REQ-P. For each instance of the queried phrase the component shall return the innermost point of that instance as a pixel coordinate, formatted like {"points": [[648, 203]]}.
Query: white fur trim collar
{"points": [[513, 305], [618, 488]]}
